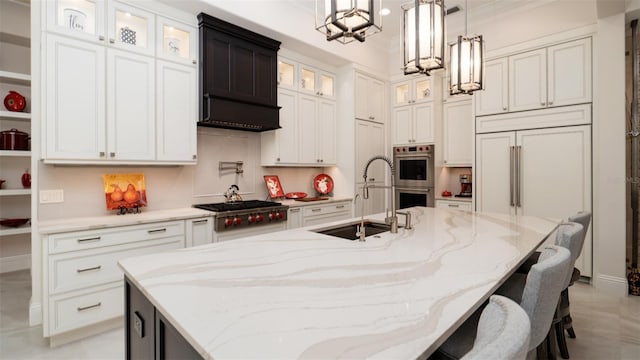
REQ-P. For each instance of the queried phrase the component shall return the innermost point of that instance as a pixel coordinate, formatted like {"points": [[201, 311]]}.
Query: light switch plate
{"points": [[51, 196]]}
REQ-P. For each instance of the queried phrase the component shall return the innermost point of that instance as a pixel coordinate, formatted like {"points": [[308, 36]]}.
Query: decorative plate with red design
{"points": [[323, 184], [295, 195]]}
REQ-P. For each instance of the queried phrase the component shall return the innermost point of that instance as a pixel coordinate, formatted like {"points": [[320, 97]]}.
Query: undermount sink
{"points": [[348, 231]]}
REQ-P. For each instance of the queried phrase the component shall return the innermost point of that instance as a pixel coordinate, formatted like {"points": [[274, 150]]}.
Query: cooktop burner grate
{"points": [[238, 205]]}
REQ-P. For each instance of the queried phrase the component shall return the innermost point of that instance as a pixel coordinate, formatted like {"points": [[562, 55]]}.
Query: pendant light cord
{"points": [[466, 13]]}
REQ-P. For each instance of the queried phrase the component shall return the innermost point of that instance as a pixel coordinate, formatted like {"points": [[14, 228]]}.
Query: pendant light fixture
{"points": [[423, 36], [467, 62], [348, 20]]}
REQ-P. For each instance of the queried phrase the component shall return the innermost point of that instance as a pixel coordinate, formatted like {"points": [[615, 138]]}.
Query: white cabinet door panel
{"points": [[177, 118], [307, 120], [75, 103], [131, 99], [494, 98], [402, 125], [493, 172], [528, 80], [326, 129], [423, 123], [458, 134], [287, 135], [569, 67]]}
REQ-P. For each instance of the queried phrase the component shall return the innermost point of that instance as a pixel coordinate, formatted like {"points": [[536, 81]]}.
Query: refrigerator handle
{"points": [[518, 172], [511, 175]]}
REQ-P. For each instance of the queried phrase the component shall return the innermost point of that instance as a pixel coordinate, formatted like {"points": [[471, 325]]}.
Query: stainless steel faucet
{"points": [[393, 219], [360, 230]]}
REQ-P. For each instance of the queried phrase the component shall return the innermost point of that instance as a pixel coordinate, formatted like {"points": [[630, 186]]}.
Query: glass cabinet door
{"points": [[176, 41], [130, 28], [422, 90], [82, 19], [286, 73], [307, 79], [401, 94], [327, 87]]}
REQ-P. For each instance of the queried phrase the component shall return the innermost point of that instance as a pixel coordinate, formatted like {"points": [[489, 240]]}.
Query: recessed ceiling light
{"points": [[385, 11]]}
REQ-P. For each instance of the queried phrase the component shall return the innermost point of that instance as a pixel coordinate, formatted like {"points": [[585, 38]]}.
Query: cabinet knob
{"points": [[543, 103], [194, 62], [101, 38], [101, 153], [195, 156], [504, 108], [445, 161], [277, 159], [112, 41], [112, 154], [550, 102]]}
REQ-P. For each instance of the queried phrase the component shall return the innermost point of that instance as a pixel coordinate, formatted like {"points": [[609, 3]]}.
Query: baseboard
{"points": [[611, 285], [35, 313], [15, 263], [86, 331]]}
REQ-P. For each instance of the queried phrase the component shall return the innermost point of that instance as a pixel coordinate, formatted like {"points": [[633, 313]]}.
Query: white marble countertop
{"points": [[300, 294], [107, 221]]}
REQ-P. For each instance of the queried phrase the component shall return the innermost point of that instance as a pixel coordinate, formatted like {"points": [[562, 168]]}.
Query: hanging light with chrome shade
{"points": [[348, 20], [423, 36], [467, 63]]}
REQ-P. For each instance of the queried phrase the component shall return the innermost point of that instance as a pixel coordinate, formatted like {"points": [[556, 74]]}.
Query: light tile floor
{"points": [[607, 327]]}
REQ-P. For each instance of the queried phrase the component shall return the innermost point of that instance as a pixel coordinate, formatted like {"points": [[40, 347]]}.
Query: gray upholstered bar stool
{"points": [[503, 331], [537, 292]]}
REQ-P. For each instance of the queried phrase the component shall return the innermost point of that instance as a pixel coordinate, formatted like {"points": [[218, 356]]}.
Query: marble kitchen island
{"points": [[301, 294]]}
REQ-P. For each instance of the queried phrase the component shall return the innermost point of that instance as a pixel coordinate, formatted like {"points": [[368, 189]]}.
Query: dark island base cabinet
{"points": [[148, 334]]}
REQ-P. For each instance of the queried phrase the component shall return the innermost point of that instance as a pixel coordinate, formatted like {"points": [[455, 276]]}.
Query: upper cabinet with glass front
{"points": [[316, 82], [412, 91], [118, 24], [176, 41], [287, 73]]}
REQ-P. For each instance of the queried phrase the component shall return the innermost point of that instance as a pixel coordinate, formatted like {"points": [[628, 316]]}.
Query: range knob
{"points": [[237, 221], [259, 218], [228, 222], [272, 216], [281, 215], [251, 218]]}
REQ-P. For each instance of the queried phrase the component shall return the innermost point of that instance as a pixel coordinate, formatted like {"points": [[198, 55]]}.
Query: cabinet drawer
{"points": [[327, 209], [91, 239], [453, 205], [72, 271], [72, 312]]}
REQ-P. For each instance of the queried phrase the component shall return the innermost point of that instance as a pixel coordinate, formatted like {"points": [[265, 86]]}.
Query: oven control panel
{"points": [[414, 149]]}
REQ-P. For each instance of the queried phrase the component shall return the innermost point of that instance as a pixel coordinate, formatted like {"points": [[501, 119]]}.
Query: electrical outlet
{"points": [[51, 196]]}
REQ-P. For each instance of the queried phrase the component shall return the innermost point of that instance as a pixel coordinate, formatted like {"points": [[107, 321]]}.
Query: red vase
{"points": [[26, 180], [14, 101]]}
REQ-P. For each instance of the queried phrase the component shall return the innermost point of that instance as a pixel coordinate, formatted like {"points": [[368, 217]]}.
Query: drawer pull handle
{"points": [[83, 308], [295, 210], [339, 206], [97, 238], [201, 221], [315, 210], [157, 231], [89, 269], [452, 205]]}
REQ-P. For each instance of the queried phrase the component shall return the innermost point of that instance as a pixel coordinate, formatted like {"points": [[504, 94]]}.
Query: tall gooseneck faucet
{"points": [[393, 219]]}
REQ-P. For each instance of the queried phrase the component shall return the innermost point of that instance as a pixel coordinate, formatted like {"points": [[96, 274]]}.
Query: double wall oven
{"points": [[414, 176]]}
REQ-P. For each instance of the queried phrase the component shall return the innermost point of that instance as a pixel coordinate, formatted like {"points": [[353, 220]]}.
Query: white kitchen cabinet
{"points": [[369, 98], [82, 283], [413, 124], [325, 213], [176, 108], [294, 218], [176, 41], [494, 98], [557, 75], [317, 82], [457, 133], [287, 74], [412, 91], [280, 147], [119, 24], [317, 130], [109, 100], [199, 231], [369, 143], [131, 106], [453, 205], [540, 172]]}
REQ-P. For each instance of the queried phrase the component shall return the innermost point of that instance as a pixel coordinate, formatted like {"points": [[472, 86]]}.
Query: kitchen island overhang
{"points": [[300, 294]]}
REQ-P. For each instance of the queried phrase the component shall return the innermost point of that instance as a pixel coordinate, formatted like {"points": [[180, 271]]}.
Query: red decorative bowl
{"points": [[14, 101], [295, 195], [13, 222]]}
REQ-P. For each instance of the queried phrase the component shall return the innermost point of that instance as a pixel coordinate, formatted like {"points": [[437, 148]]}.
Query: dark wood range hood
{"points": [[238, 77]]}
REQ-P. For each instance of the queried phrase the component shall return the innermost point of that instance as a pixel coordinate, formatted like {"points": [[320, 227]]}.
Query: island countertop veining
{"points": [[301, 294]]}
